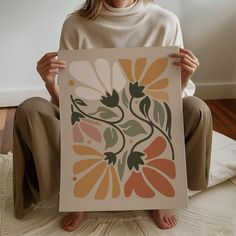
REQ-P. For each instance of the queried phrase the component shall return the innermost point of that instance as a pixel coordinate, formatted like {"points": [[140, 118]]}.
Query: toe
{"points": [[67, 225], [163, 223], [173, 220], [70, 228], [75, 222], [166, 220], [73, 226]]}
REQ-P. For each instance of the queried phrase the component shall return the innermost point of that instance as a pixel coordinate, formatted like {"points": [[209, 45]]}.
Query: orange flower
{"points": [[93, 170], [152, 175], [151, 78]]}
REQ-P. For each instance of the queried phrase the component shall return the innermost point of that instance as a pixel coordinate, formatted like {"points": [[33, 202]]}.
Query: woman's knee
{"points": [[196, 113], [29, 107], [195, 106]]}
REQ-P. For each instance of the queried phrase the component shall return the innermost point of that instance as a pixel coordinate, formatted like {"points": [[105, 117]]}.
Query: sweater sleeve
{"points": [[178, 41], [69, 37], [178, 37]]}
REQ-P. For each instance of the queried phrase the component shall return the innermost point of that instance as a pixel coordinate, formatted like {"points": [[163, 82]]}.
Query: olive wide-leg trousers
{"points": [[36, 149]]}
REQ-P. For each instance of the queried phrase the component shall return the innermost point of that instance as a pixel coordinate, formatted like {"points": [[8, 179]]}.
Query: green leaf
{"points": [[169, 120], [111, 137], [135, 159], [121, 165], [159, 113], [76, 116], [132, 128], [80, 102], [125, 99], [144, 106], [104, 113]]}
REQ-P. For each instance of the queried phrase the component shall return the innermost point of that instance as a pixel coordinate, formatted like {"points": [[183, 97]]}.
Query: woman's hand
{"points": [[188, 63], [48, 67]]}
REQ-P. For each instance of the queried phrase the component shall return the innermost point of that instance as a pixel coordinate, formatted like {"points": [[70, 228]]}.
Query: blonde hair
{"points": [[91, 8]]}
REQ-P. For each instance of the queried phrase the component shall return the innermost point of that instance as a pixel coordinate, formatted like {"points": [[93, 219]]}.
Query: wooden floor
{"points": [[223, 113], [6, 129], [224, 116]]}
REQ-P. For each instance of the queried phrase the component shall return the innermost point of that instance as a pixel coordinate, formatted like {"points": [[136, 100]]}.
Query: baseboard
{"points": [[10, 98], [216, 90]]}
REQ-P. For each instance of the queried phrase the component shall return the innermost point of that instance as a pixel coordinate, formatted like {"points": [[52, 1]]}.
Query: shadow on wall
{"points": [[212, 38]]}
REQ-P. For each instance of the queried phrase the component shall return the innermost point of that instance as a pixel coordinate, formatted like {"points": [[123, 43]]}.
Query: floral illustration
{"points": [[99, 167], [153, 172], [98, 80], [149, 81], [88, 127], [131, 112]]}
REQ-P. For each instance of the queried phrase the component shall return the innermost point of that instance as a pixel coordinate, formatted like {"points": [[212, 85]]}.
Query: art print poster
{"points": [[122, 134]]}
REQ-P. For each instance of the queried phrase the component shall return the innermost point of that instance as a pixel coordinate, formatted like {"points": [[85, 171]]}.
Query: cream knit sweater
{"points": [[142, 24]]}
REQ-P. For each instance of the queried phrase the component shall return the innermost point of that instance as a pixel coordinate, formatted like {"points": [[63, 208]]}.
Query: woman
{"points": [[104, 24]]}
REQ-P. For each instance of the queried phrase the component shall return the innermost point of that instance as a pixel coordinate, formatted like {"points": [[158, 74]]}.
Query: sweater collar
{"points": [[108, 10]]}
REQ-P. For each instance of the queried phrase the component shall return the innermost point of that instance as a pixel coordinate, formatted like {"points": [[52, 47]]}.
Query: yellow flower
{"points": [[92, 170], [150, 79]]}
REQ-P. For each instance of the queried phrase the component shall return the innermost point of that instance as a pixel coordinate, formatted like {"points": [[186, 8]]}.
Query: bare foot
{"points": [[164, 219], [72, 221]]}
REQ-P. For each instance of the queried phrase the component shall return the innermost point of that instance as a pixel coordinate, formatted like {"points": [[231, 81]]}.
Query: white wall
{"points": [[209, 30], [214, 41], [29, 28]]}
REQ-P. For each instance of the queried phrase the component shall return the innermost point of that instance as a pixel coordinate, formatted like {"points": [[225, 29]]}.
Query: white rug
{"points": [[212, 212]]}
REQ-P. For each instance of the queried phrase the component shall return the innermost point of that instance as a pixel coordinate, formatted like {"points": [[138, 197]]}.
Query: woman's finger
{"points": [[184, 50], [50, 61], [185, 56], [41, 68], [48, 69], [189, 69], [186, 62], [49, 76], [47, 56], [52, 65]]}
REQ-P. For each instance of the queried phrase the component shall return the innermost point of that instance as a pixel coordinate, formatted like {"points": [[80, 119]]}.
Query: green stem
{"points": [[149, 123], [108, 122], [123, 136], [122, 115], [171, 146]]}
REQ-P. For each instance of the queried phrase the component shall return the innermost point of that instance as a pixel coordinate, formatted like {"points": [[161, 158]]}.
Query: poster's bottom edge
{"points": [[68, 209]]}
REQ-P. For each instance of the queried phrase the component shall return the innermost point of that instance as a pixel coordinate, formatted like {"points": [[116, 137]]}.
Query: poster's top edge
{"points": [[128, 48]]}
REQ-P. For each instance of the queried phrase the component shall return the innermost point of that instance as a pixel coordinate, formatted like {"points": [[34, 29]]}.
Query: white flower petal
{"points": [[119, 81], [84, 73], [87, 93], [104, 72]]}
